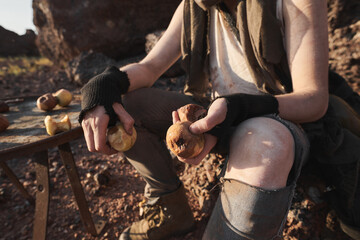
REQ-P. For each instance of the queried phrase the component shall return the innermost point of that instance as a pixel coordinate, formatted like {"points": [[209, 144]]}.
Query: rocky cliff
{"points": [[344, 38], [12, 44], [115, 28]]}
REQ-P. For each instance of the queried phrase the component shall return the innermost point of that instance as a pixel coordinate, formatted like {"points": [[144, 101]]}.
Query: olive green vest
{"points": [[260, 36]]}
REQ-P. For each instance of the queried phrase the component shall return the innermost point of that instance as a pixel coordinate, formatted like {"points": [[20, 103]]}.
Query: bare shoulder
{"points": [[305, 27], [295, 9]]}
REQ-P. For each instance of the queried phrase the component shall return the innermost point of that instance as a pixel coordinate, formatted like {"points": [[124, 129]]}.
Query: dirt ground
{"points": [[113, 188]]}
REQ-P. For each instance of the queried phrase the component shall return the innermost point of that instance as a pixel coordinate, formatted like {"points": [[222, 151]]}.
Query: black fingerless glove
{"points": [[242, 106], [104, 89]]}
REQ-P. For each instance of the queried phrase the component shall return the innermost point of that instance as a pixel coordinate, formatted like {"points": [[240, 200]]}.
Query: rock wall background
{"points": [[115, 28], [344, 39], [11, 44], [67, 29]]}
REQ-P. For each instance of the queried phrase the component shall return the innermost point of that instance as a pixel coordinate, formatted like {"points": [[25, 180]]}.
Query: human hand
{"points": [[104, 89], [95, 124], [216, 114]]}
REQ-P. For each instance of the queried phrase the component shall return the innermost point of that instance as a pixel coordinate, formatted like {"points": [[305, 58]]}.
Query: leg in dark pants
{"points": [[167, 212], [151, 108]]}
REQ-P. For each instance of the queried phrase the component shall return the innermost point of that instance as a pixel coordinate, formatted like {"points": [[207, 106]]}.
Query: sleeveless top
{"points": [[228, 70]]}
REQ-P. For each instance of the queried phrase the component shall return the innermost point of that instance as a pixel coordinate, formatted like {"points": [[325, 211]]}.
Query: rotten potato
{"points": [[3, 107], [48, 101], [179, 139], [4, 123], [63, 96], [119, 139], [53, 127]]}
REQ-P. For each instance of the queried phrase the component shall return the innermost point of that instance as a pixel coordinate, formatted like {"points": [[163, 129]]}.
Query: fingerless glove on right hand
{"points": [[242, 106]]}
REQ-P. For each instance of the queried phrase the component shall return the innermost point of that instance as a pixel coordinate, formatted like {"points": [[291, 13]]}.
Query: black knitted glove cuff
{"points": [[242, 106], [104, 89]]}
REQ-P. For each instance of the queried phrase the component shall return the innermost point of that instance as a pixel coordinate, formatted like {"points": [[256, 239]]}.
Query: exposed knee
{"points": [[261, 153]]}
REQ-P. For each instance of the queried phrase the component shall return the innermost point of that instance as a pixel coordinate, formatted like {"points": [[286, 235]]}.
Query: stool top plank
{"points": [[27, 133]]}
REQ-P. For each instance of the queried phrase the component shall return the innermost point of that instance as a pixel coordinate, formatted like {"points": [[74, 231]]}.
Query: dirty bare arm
{"points": [[165, 53], [306, 40], [142, 74]]}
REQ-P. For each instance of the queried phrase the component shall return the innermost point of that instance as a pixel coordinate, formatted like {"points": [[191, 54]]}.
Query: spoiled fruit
{"points": [[119, 139], [49, 100], [3, 107], [53, 127], [4, 123], [46, 102], [179, 139], [63, 96]]}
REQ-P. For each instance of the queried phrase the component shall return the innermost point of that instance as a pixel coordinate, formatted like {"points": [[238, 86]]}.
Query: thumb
{"points": [[124, 117], [203, 125], [215, 116]]}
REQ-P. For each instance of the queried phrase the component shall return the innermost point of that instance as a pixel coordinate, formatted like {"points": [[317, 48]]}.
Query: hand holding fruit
{"points": [[48, 101], [179, 139]]}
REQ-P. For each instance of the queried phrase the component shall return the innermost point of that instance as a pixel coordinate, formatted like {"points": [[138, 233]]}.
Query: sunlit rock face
{"points": [[115, 28]]}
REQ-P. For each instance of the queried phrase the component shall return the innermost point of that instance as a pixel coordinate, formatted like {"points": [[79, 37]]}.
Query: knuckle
{"points": [[85, 124]]}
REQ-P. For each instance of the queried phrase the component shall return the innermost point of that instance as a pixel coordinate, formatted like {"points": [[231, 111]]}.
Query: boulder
{"points": [[88, 64], [116, 29], [12, 44]]}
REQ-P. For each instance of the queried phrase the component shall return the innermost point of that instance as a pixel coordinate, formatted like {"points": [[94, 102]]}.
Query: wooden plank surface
{"points": [[27, 122]]}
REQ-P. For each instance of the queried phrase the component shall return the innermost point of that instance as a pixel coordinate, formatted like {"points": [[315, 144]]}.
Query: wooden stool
{"points": [[27, 136]]}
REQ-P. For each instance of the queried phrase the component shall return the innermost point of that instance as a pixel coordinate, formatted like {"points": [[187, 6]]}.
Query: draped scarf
{"points": [[260, 36]]}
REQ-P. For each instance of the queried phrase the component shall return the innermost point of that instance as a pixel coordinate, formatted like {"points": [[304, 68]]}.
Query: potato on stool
{"points": [[63, 96], [48, 101], [4, 123], [53, 127]]}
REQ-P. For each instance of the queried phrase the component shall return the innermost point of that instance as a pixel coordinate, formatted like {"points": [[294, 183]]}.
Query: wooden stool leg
{"points": [[68, 160], [13, 178], [42, 195]]}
